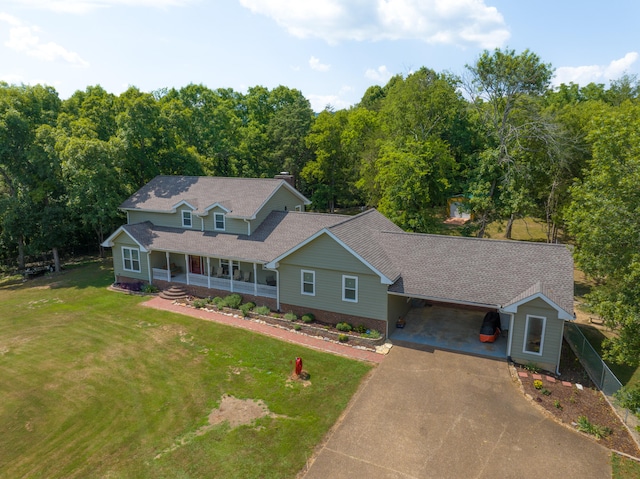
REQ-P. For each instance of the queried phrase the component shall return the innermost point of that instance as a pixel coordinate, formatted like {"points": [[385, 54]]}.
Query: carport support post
{"points": [[510, 337]]}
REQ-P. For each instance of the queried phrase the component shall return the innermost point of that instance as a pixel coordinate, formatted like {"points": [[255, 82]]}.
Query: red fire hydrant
{"points": [[298, 366]]}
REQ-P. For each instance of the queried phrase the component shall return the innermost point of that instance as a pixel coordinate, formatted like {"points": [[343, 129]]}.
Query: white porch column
{"points": [[208, 272], [186, 266], [168, 267], [255, 280], [231, 275]]}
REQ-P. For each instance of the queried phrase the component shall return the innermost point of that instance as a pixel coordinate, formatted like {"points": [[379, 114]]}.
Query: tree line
{"points": [[499, 134]]}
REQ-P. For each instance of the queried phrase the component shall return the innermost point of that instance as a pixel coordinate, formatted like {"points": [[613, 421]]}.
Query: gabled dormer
{"points": [[216, 220]]}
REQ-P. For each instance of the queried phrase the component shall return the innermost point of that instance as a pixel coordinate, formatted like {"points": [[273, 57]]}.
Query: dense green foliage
{"points": [[96, 385], [501, 136]]}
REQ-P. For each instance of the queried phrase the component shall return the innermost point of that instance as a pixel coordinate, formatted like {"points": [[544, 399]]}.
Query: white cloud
{"points": [[379, 75], [338, 101], [460, 22], [583, 75], [84, 6], [24, 39], [315, 64]]}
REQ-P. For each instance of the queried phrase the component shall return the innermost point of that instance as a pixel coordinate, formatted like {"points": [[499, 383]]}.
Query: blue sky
{"points": [[330, 50]]}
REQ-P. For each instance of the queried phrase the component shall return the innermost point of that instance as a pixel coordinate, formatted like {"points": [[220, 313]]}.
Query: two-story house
{"points": [[252, 236]]}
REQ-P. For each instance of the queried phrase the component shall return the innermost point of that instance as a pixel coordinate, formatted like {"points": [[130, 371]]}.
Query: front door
{"points": [[195, 264]]}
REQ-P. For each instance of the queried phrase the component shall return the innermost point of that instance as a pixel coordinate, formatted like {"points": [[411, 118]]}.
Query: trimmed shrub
{"points": [[149, 289], [219, 302], [297, 327], [308, 318], [360, 328], [346, 327], [263, 310], [199, 303], [372, 334], [290, 317], [343, 338], [246, 307], [233, 301]]}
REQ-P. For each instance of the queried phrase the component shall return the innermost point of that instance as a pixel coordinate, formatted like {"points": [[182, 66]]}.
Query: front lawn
{"points": [[95, 385]]}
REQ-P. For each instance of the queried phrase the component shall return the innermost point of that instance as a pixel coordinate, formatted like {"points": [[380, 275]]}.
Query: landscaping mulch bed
{"points": [[568, 402]]}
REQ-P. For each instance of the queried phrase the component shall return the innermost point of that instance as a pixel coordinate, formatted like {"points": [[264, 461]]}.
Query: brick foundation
{"points": [[329, 317], [322, 316]]}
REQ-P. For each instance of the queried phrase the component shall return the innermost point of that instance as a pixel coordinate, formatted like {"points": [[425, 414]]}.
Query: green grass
{"points": [[96, 385], [523, 229], [624, 468]]}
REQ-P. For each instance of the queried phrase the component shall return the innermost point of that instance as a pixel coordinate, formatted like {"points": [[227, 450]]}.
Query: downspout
{"points": [[277, 290], [560, 349], [248, 226]]}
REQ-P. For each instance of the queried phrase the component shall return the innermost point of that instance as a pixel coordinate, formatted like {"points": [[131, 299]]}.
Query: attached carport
{"points": [[449, 327]]}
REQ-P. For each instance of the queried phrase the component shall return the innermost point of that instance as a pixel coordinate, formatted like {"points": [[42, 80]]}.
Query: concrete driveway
{"points": [[437, 414]]}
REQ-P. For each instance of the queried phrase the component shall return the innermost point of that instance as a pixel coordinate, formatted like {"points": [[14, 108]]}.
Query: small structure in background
{"points": [[456, 210]]}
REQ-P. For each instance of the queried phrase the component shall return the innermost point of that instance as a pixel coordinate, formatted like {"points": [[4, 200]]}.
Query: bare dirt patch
{"points": [[233, 411], [237, 412]]}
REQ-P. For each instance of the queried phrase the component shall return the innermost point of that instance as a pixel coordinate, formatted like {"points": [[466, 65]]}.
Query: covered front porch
{"points": [[214, 273]]}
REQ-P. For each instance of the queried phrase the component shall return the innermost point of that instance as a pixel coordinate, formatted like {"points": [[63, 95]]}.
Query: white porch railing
{"points": [[223, 284]]}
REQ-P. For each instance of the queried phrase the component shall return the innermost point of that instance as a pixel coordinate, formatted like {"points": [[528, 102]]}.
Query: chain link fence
{"points": [[600, 374], [598, 371]]}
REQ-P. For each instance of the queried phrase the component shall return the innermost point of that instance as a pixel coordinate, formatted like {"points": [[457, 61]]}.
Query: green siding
{"points": [[281, 198], [330, 261], [171, 220], [326, 253], [398, 307], [118, 268], [552, 335]]}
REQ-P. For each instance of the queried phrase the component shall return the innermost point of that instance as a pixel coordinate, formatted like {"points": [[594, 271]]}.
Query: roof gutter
{"points": [[445, 300]]}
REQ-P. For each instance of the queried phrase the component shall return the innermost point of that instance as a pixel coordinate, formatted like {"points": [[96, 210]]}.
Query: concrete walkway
{"points": [[283, 334], [437, 414]]}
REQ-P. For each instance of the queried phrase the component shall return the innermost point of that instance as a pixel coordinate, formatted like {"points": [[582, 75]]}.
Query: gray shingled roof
{"points": [[481, 271], [243, 197], [361, 233], [446, 268], [278, 233]]}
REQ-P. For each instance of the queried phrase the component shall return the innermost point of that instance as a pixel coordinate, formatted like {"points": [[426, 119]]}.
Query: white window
{"points": [[131, 259], [225, 265], [534, 334], [218, 221], [350, 288], [308, 282], [298, 207], [186, 219]]}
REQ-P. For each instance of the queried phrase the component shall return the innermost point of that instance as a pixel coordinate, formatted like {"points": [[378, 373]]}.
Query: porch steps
{"points": [[173, 293]]}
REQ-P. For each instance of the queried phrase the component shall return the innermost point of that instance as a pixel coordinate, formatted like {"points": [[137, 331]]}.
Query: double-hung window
{"points": [[218, 221], [308, 282], [534, 334], [186, 219], [350, 288], [131, 259]]}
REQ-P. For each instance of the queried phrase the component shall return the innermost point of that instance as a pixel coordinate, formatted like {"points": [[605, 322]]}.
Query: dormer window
{"points": [[218, 221], [186, 219]]}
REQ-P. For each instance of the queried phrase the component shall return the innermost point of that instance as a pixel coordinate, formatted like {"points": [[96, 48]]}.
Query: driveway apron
{"points": [[437, 414]]}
